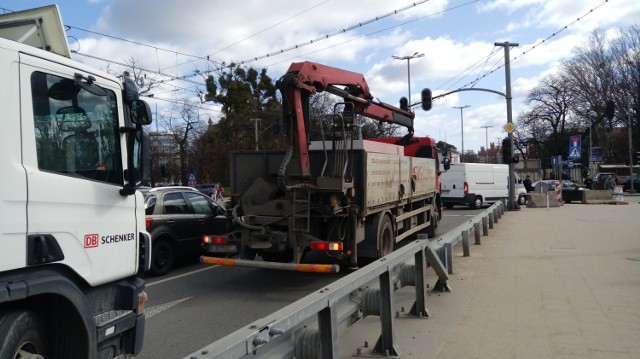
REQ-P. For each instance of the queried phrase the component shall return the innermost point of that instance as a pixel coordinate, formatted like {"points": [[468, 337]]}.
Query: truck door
{"points": [[73, 156]]}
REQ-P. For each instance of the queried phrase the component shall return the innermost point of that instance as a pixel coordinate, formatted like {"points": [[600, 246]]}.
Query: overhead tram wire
{"points": [[371, 33], [328, 36], [171, 77], [537, 44], [259, 32], [139, 43], [345, 30]]}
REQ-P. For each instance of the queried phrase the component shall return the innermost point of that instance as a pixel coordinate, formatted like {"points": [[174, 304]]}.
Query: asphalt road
{"points": [[195, 304]]}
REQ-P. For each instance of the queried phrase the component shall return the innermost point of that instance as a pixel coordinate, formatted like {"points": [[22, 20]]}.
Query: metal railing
{"points": [[311, 326]]}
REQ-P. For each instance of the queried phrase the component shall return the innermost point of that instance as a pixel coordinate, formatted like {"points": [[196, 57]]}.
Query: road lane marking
{"points": [[157, 309], [180, 276]]}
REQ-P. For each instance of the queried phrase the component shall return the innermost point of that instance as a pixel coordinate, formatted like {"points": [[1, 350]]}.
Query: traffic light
{"points": [[636, 159], [506, 151], [404, 103], [427, 98]]}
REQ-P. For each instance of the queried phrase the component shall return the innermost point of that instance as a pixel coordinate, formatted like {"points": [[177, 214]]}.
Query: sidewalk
{"points": [[546, 283]]}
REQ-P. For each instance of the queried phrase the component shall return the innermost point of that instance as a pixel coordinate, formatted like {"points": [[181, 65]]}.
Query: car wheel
{"points": [[477, 202], [162, 257], [23, 335]]}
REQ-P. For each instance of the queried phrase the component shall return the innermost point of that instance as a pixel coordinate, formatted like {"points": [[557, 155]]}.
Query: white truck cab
{"points": [[72, 231]]}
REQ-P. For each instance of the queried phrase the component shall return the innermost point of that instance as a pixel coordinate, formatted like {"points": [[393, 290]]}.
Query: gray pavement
{"points": [[546, 283]]}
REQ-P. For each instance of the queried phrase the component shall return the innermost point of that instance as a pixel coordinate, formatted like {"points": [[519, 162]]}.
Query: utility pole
{"points": [[256, 122], [462, 129], [408, 58], [631, 190], [486, 139], [511, 204]]}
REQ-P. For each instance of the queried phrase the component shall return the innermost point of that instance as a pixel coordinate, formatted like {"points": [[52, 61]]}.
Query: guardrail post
{"points": [[434, 259], [328, 329], [386, 343], [448, 252], [419, 308], [485, 226], [490, 220], [476, 232], [465, 243]]}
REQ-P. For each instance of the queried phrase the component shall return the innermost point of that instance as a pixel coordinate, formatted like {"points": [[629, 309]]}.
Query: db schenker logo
{"points": [[90, 240]]}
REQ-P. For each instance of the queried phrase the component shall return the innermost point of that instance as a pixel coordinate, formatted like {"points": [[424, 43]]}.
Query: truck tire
{"points": [[385, 236], [477, 202], [23, 335], [162, 257]]}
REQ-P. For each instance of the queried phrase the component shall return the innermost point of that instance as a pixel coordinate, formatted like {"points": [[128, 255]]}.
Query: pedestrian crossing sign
{"points": [[575, 145]]}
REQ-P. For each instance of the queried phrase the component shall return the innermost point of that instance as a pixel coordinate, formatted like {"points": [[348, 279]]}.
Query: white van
{"points": [[473, 184]]}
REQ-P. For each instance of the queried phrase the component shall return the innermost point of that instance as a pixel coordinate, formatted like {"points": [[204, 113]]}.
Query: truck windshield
{"points": [[76, 130]]}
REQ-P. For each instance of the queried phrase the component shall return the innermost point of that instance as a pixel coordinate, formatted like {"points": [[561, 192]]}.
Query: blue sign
{"points": [[554, 160], [575, 146], [191, 176]]}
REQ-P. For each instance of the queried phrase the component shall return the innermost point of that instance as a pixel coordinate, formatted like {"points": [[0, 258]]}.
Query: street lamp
{"points": [[486, 139], [462, 129], [408, 58]]}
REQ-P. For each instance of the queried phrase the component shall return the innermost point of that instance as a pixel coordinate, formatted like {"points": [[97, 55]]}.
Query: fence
{"points": [[311, 327]]}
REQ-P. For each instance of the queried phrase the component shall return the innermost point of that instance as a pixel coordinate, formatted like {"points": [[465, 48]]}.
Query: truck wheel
{"points": [[162, 257], [477, 202], [24, 335], [385, 237]]}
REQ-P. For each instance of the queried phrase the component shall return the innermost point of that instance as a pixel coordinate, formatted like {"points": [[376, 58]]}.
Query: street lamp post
{"points": [[486, 139], [462, 130], [408, 58]]}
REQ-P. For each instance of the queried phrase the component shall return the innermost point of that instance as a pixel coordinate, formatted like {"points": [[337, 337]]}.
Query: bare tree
{"points": [[183, 124]]}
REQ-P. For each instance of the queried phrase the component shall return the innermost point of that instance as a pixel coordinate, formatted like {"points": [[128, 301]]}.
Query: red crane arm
{"points": [[307, 78]]}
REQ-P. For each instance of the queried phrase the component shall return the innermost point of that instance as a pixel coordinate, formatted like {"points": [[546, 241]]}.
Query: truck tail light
{"points": [[466, 188], [212, 239], [148, 222], [326, 246]]}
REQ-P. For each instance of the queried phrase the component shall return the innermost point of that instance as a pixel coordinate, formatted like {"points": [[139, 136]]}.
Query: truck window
{"points": [[76, 131]]}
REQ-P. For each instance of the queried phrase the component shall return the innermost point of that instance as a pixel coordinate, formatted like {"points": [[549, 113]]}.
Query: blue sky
{"points": [[456, 37]]}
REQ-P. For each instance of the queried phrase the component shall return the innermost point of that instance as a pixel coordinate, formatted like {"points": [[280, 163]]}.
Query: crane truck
{"points": [[72, 229], [350, 198]]}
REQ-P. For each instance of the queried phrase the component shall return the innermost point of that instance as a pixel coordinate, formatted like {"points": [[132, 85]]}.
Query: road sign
{"points": [[554, 161], [509, 127], [575, 147], [191, 176]]}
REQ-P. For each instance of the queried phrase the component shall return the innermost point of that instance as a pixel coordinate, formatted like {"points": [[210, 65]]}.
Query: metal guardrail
{"points": [[311, 326]]}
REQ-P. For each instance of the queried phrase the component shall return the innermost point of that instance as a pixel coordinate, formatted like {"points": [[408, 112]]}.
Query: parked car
{"points": [[177, 218], [599, 180], [571, 192], [636, 183]]}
